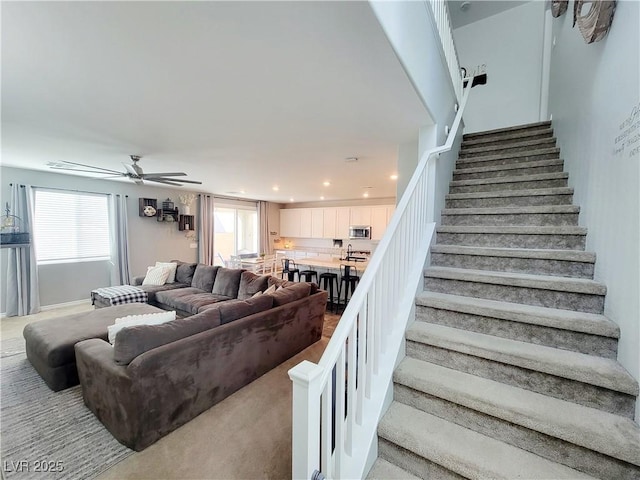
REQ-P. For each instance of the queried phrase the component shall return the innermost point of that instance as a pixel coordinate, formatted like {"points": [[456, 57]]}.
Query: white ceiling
{"points": [[240, 95], [478, 10]]}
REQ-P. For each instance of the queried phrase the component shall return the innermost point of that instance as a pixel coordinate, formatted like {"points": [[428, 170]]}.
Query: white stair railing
{"points": [[442, 19], [338, 402]]}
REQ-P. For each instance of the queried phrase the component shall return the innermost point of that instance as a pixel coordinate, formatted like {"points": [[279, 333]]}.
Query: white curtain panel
{"points": [[23, 296], [119, 241], [263, 225], [205, 232]]}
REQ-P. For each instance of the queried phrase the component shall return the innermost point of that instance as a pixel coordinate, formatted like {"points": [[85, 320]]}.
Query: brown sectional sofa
{"points": [[155, 378]]}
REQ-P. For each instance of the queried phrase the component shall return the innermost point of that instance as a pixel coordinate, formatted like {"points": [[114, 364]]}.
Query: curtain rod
{"points": [[228, 198], [71, 190]]}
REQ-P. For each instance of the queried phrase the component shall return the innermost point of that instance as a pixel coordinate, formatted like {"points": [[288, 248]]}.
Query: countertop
{"points": [[331, 264]]}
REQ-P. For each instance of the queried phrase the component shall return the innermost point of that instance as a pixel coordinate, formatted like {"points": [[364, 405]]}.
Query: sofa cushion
{"points": [[290, 293], [250, 284], [235, 309], [204, 276], [133, 341], [184, 271], [188, 299], [279, 282], [152, 290], [227, 282]]}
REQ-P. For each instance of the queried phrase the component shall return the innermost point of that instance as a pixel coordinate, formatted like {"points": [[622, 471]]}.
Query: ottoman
{"points": [[50, 343]]}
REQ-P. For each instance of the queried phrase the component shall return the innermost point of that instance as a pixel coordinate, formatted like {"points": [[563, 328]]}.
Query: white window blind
{"points": [[71, 226]]}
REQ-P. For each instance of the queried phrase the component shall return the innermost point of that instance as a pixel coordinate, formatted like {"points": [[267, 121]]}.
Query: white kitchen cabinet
{"points": [[317, 223], [290, 222], [360, 215], [305, 223], [329, 222], [343, 220], [378, 221], [390, 210]]}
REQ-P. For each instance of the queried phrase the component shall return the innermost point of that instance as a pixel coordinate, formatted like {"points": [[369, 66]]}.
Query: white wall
{"points": [[413, 36], [149, 240], [511, 45], [594, 99]]}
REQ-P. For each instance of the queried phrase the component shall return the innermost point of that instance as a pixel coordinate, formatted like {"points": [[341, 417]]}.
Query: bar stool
{"points": [[349, 278], [289, 267], [327, 280], [308, 275]]}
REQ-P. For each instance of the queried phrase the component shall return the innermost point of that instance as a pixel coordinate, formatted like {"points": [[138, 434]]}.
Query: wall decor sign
{"points": [[595, 24], [559, 7], [628, 139]]}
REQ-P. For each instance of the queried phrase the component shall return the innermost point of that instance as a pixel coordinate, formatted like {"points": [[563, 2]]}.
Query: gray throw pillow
{"points": [[133, 341], [235, 309], [204, 276], [290, 293], [250, 284], [184, 271], [227, 282]]}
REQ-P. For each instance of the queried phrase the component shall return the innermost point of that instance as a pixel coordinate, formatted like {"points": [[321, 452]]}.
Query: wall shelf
{"points": [[186, 222], [147, 202], [167, 215]]}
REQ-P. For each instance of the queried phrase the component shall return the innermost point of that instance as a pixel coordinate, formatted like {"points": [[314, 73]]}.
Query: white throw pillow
{"points": [[156, 276], [172, 273], [133, 320], [271, 289], [257, 294]]}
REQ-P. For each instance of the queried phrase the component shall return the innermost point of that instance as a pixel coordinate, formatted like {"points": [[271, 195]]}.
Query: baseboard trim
{"points": [[44, 308]]}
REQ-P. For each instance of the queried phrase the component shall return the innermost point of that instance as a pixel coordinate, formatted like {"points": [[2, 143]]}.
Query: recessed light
{"points": [[242, 191], [321, 198], [291, 199], [275, 188], [365, 194], [394, 176], [326, 183]]}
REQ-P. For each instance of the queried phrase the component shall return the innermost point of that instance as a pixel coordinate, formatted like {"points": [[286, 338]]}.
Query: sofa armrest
{"points": [[135, 281], [107, 389]]}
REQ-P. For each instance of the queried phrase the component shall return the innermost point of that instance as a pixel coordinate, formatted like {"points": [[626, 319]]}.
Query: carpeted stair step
{"points": [[564, 238], [561, 263], [430, 447], [514, 137], [524, 146], [514, 198], [509, 158], [587, 333], [577, 294], [525, 168], [586, 439], [383, 470], [588, 380], [507, 131], [517, 182], [537, 215]]}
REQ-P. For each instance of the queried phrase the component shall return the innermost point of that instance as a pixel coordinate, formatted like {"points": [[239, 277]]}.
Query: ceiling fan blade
{"points": [[164, 174], [131, 171], [165, 181], [115, 174], [83, 165], [155, 179]]}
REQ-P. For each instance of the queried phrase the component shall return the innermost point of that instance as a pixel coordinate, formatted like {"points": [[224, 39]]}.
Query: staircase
{"points": [[511, 367]]}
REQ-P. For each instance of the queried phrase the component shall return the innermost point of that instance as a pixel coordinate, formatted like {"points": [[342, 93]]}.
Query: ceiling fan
{"points": [[133, 171]]}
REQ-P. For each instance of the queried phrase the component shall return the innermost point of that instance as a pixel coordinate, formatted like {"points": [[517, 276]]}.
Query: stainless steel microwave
{"points": [[360, 231]]}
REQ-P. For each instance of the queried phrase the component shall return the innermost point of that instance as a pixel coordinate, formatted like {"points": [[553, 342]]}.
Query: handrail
{"points": [[333, 427]]}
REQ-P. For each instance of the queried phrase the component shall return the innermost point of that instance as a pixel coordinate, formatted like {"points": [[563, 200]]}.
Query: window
{"points": [[235, 231], [71, 226]]}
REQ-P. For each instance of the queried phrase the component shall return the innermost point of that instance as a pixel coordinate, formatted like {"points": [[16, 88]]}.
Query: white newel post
{"points": [[306, 378]]}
